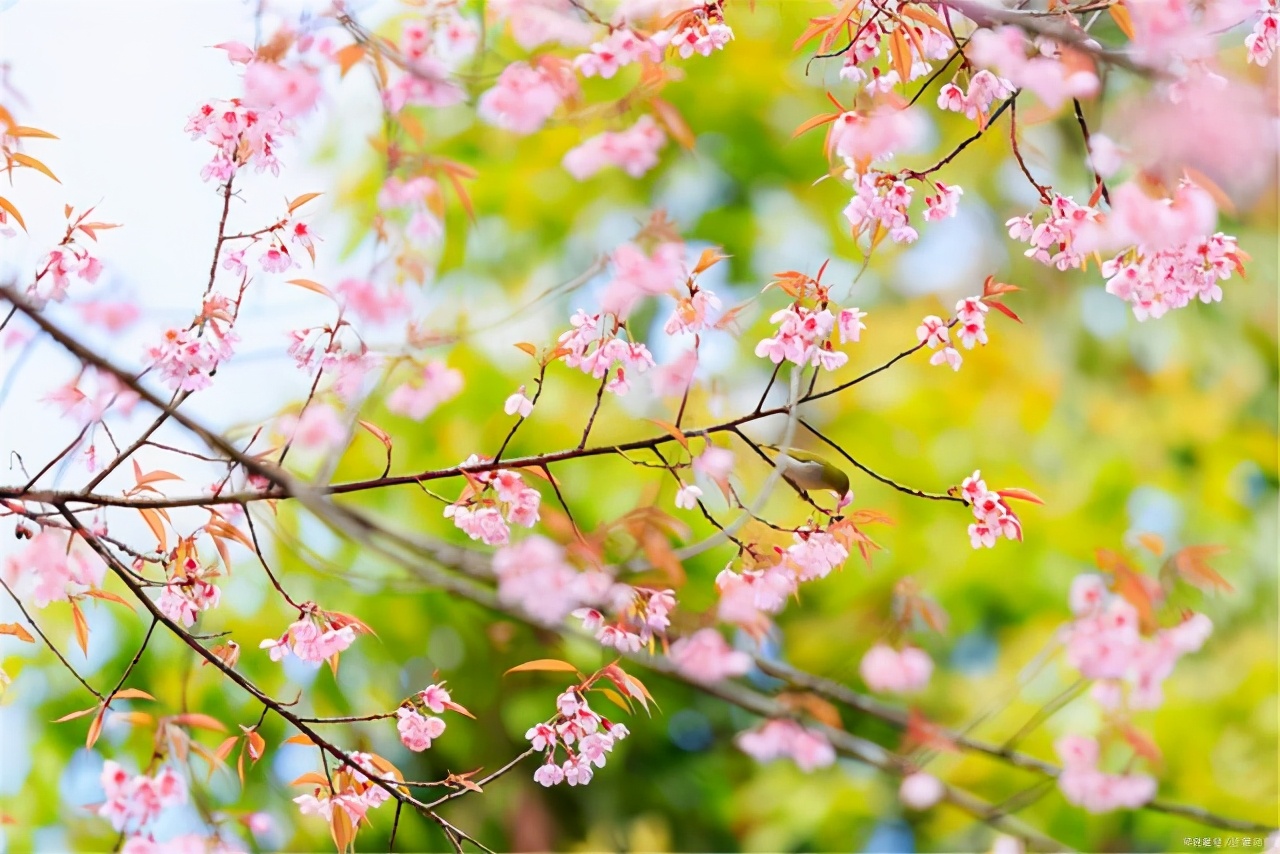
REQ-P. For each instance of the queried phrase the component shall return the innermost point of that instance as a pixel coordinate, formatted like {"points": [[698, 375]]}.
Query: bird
{"points": [[804, 470]]}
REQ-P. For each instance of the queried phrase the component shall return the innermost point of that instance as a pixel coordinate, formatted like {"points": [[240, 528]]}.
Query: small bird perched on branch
{"points": [[805, 471]]}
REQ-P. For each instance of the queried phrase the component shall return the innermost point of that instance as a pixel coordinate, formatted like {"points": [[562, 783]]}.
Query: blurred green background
{"points": [[1167, 426]]}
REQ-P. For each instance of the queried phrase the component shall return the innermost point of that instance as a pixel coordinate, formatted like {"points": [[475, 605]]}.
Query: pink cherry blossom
{"points": [[637, 275], [419, 396], [518, 403], [920, 791], [292, 91], [704, 656], [886, 669], [46, 570], [687, 496], [807, 748], [634, 150], [522, 100], [371, 303], [417, 731]]}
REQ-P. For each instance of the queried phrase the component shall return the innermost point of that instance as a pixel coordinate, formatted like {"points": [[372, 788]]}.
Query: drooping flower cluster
{"points": [[971, 328], [1261, 43], [525, 96], [240, 136], [420, 395], [746, 597], [48, 570], [784, 738], [534, 576], [637, 275], [89, 397], [692, 314], [1105, 643], [419, 198], [189, 591], [995, 518], [1084, 785], [135, 800], [701, 37], [985, 89], [879, 205], [417, 730], [1066, 230], [705, 656], [636, 615], [490, 500], [187, 358], [433, 49], [315, 636], [1054, 75], [903, 671], [353, 792], [803, 338], [1170, 260], [585, 737], [619, 49], [922, 43], [595, 349], [861, 137], [634, 150], [62, 264]]}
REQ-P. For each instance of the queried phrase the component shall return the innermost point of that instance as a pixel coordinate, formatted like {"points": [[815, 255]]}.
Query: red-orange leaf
{"points": [[202, 721], [26, 160], [1020, 494], [1153, 543], [17, 631], [81, 627], [1190, 563], [8, 208], [302, 200], [1005, 310], [131, 694], [546, 664], [311, 286]]}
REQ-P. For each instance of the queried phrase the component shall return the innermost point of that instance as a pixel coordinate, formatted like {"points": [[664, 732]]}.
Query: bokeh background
{"points": [[1167, 426]]}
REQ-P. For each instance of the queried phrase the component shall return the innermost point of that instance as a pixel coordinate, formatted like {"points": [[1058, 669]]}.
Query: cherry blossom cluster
{"points": [[1105, 643], [1157, 281], [995, 518], [135, 800], [525, 96], [89, 397], [903, 671], [592, 346], [240, 136], [417, 198], [1261, 43], [860, 137], [618, 49], [315, 636], [784, 738], [48, 569], [62, 264], [706, 657], [340, 351], [746, 597], [633, 150], [1084, 785], [420, 395], [924, 43], [1041, 67], [692, 314], [417, 730], [433, 49], [635, 619], [188, 591], [803, 337], [187, 843], [187, 358], [971, 328], [534, 575], [491, 500], [585, 737], [637, 275], [879, 206], [985, 89], [1170, 260], [352, 791]]}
